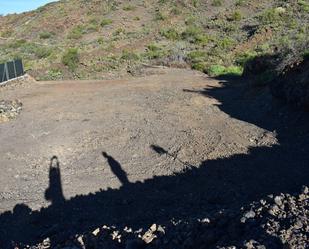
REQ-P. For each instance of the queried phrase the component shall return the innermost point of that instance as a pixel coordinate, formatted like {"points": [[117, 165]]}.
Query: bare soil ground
{"points": [[177, 144], [76, 121]]}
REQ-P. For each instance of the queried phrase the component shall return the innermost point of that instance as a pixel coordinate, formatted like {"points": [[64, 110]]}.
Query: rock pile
{"points": [[9, 109], [274, 222], [280, 221]]}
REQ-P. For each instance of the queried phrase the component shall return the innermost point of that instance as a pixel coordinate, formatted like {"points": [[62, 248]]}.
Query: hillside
{"points": [[96, 39]]}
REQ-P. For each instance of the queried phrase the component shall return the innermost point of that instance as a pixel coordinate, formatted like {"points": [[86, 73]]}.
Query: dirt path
{"points": [[76, 121]]}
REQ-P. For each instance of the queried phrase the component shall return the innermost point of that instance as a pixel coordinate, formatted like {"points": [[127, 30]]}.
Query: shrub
{"points": [[200, 66], [119, 31], [100, 41], [171, 34], [241, 2], [176, 11], [71, 58], [215, 70], [76, 32], [105, 22], [6, 33], [93, 21], [154, 52], [195, 3], [45, 35], [190, 21], [225, 43], [42, 52], [159, 16], [271, 16], [236, 16], [217, 3], [54, 74], [304, 5], [198, 55], [129, 8], [17, 43], [218, 70], [91, 28], [242, 58], [129, 56], [195, 35]]}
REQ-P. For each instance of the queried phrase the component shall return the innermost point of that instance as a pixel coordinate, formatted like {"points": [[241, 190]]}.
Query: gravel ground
{"points": [[9, 110], [192, 154]]}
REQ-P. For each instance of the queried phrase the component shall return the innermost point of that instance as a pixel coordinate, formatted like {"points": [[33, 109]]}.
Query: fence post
{"points": [[6, 70], [14, 61]]}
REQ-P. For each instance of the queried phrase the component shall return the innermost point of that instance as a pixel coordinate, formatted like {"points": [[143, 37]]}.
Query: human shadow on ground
{"points": [[116, 169], [226, 183], [54, 192]]}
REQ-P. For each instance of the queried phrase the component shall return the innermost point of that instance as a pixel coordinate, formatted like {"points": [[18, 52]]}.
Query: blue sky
{"points": [[18, 6]]}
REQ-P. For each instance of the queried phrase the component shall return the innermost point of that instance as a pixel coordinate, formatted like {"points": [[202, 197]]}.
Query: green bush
{"points": [[70, 58], [196, 56], [93, 21], [101, 41], [129, 8], [54, 74], [195, 35], [200, 66], [91, 28], [42, 52], [129, 56], [176, 11], [241, 2], [17, 43], [218, 70], [159, 16], [304, 5], [217, 3], [105, 22], [171, 34], [242, 58], [45, 35], [76, 33], [119, 31], [190, 21], [225, 43], [195, 3], [271, 16], [154, 52], [235, 16]]}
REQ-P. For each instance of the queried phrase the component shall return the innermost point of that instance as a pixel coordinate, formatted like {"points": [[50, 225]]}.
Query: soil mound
{"points": [[292, 85]]}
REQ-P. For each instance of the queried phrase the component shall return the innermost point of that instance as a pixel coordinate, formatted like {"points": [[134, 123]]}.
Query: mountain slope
{"points": [[113, 37]]}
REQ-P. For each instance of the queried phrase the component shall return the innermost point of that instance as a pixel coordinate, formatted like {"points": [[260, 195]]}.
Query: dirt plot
{"points": [[76, 121], [175, 145]]}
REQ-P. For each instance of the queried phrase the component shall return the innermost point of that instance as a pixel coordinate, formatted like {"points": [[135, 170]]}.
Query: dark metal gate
{"points": [[11, 70]]}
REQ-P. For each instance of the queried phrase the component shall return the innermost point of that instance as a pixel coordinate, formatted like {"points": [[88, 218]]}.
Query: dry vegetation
{"points": [[89, 39]]}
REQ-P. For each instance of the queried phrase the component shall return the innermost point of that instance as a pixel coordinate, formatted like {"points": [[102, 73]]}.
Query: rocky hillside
{"points": [[97, 39]]}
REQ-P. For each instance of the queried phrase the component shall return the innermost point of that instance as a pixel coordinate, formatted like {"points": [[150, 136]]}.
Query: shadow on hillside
{"points": [[217, 184]]}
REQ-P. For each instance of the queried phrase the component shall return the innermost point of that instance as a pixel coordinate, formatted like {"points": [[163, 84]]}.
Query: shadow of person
{"points": [[159, 149], [116, 169], [54, 192]]}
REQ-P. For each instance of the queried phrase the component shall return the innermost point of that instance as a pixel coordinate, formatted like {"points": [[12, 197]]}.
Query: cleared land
{"points": [[230, 146], [77, 120]]}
